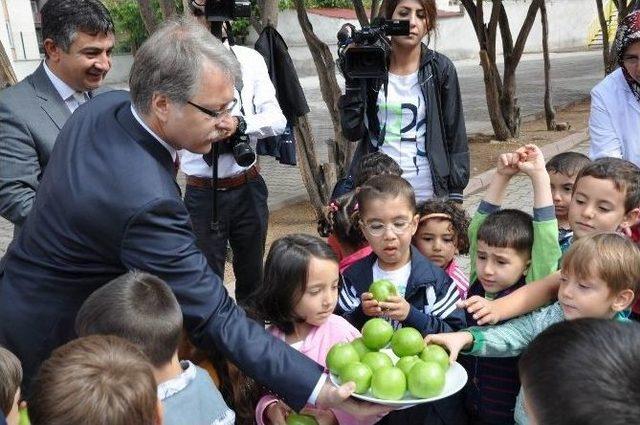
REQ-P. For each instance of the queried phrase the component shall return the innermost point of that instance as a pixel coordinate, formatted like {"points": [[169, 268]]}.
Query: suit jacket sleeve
{"points": [[19, 167], [158, 239]]}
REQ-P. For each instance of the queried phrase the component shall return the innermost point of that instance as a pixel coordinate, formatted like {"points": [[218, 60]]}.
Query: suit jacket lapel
{"points": [[146, 140], [50, 100]]}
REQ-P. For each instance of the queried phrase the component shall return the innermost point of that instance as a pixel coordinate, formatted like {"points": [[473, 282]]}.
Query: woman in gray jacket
{"points": [[413, 113]]}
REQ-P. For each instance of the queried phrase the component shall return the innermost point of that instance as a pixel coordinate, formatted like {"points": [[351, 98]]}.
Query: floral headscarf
{"points": [[628, 33]]}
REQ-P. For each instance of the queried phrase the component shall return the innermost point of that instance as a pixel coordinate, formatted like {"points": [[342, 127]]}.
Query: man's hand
{"points": [[332, 397], [484, 311], [370, 307], [454, 342], [396, 308], [277, 412]]}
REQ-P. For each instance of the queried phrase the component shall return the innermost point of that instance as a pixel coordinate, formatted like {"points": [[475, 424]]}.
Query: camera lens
{"points": [[243, 154]]}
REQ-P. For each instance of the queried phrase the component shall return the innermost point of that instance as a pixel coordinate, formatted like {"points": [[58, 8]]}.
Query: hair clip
{"points": [[435, 215], [334, 207]]}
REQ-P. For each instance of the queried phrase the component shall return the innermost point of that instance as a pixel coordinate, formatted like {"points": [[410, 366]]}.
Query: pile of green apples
{"points": [[420, 368]]}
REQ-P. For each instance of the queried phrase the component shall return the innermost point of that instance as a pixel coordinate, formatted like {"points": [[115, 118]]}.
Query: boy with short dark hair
{"points": [[563, 170], [142, 309], [508, 249], [600, 278], [606, 197], [601, 352], [97, 380], [10, 380]]}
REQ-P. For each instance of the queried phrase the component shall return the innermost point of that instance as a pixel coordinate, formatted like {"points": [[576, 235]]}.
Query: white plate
{"points": [[455, 379]]}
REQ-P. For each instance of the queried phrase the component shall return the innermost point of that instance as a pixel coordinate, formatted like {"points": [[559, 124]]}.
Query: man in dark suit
{"points": [[109, 203], [78, 38]]}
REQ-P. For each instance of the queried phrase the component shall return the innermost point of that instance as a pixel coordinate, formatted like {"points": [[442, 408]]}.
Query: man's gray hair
{"points": [[171, 60]]}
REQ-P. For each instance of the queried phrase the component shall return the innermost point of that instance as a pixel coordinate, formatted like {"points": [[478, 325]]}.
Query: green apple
{"points": [[407, 342], [382, 289], [297, 419], [388, 383], [362, 349], [375, 360], [406, 363], [435, 353], [426, 379], [359, 373], [340, 355], [376, 333]]}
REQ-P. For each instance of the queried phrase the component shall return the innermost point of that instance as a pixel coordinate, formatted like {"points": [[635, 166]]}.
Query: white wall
{"points": [[569, 21], [23, 30]]}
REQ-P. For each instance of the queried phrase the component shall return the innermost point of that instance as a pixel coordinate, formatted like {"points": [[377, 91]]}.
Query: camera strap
{"points": [[215, 225]]}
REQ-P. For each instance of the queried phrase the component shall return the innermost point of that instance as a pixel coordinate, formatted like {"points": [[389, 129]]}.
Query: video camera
{"points": [[365, 53], [227, 10]]}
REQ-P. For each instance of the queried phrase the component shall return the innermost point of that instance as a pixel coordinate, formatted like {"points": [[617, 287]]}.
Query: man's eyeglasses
{"points": [[378, 229], [215, 114]]}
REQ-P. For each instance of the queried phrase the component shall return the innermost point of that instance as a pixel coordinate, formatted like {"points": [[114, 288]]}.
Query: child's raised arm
{"points": [[521, 301]]}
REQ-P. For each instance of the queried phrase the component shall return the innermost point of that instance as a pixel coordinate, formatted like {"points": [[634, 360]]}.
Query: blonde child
{"points": [[426, 297], [441, 236], [600, 275], [296, 299]]}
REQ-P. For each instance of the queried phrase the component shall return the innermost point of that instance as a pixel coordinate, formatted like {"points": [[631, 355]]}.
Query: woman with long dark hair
{"points": [[414, 113]]}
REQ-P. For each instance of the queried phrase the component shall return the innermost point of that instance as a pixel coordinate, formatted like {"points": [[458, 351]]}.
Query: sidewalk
{"points": [[574, 74]]}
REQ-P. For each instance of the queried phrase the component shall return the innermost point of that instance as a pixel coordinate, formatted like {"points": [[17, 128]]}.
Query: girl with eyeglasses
{"points": [[426, 297]]}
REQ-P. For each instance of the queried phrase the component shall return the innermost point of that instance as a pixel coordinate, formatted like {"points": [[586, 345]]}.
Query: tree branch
{"points": [[524, 31], [360, 12]]}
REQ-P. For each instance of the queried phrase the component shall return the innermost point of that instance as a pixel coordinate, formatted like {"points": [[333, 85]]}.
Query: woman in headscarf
{"points": [[614, 124]]}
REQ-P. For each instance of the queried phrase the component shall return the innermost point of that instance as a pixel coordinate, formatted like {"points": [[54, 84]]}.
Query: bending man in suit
{"points": [[109, 203], [78, 38]]}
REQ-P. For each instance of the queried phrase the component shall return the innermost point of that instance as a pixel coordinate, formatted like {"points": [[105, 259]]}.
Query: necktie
{"points": [[79, 98]]}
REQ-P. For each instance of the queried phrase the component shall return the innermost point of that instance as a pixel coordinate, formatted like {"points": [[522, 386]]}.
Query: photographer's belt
{"points": [[228, 182]]}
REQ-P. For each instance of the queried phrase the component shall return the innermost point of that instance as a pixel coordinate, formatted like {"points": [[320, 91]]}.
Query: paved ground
{"points": [[574, 74]]}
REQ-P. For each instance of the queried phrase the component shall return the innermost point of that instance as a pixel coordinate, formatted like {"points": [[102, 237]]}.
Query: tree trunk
{"points": [[325, 67], [549, 110], [360, 12], [148, 15], [493, 99], [269, 13], [604, 28], [309, 170], [376, 8], [168, 8], [7, 76]]}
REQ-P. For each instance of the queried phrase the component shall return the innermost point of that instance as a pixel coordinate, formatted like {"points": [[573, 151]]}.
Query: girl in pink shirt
{"points": [[296, 299], [441, 235]]}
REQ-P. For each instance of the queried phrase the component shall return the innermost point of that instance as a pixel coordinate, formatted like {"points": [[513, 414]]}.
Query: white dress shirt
{"points": [[262, 114], [72, 98], [167, 146], [614, 123]]}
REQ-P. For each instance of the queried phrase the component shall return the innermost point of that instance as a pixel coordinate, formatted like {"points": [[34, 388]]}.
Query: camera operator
{"points": [[413, 113], [242, 211]]}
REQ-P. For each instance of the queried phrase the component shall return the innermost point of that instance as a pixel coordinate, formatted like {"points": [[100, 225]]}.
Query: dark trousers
{"points": [[244, 216]]}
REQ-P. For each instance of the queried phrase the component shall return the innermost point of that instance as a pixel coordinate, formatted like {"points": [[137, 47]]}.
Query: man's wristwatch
{"points": [[242, 124]]}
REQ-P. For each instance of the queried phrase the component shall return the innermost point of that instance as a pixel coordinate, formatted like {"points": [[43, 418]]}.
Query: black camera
{"points": [[365, 53], [241, 149], [227, 10]]}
